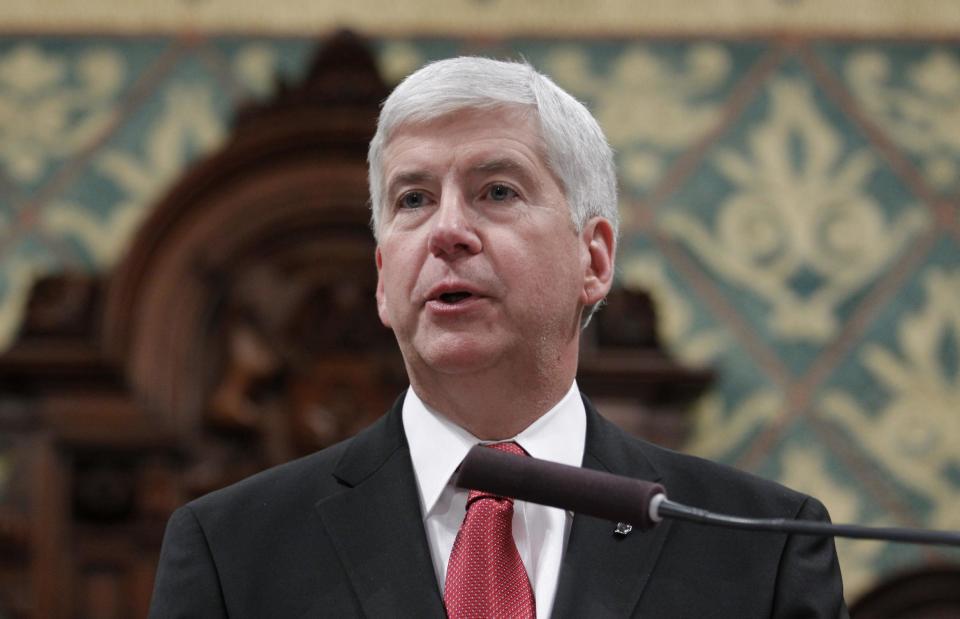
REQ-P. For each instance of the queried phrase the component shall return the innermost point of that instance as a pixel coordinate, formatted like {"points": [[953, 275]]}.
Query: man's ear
{"points": [[599, 249], [381, 295]]}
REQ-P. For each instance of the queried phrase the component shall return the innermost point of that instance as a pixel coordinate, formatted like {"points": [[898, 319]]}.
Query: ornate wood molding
{"points": [[488, 18]]}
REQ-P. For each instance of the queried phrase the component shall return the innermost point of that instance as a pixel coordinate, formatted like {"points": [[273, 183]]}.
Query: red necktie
{"points": [[485, 576]]}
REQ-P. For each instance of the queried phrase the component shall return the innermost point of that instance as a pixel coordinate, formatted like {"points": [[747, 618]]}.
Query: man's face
{"points": [[479, 261]]}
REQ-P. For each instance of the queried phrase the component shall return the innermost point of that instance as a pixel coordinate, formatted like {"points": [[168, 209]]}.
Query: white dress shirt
{"points": [[437, 446]]}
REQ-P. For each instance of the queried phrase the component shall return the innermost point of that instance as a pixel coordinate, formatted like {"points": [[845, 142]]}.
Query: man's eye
{"points": [[412, 199], [500, 193]]}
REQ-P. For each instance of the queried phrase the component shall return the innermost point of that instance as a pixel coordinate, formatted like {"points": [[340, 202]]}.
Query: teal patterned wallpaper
{"points": [[791, 204]]}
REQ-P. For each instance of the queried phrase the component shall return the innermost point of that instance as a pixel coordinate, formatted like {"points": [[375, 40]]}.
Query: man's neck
{"points": [[494, 404]]}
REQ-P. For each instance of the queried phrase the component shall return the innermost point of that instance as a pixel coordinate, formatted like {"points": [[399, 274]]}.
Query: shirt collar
{"points": [[438, 446]]}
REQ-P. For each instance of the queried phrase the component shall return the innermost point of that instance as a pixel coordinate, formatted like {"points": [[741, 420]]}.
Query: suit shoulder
{"points": [[715, 486], [310, 476], [693, 480]]}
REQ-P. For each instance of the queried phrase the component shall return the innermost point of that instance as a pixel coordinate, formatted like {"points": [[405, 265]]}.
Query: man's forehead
{"points": [[517, 116], [514, 124]]}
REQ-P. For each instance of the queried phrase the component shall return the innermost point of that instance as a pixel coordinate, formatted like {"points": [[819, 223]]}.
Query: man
{"points": [[494, 207]]}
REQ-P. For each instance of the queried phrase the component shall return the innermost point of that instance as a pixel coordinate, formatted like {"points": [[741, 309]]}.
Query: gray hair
{"points": [[576, 150]]}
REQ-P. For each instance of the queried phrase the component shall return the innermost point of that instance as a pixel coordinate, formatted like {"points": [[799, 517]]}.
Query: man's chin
{"points": [[460, 357]]}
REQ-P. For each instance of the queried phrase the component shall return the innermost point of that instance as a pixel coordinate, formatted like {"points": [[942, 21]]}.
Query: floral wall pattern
{"points": [[791, 204]]}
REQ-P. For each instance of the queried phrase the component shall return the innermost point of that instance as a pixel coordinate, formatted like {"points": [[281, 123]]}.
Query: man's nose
{"points": [[453, 232]]}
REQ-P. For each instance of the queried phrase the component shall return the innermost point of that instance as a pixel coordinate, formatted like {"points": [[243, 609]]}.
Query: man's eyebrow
{"points": [[503, 164], [506, 165], [413, 177]]}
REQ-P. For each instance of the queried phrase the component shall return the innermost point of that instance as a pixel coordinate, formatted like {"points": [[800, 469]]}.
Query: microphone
{"points": [[640, 503], [584, 491]]}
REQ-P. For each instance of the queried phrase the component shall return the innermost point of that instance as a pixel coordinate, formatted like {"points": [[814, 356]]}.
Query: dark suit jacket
{"points": [[339, 534]]}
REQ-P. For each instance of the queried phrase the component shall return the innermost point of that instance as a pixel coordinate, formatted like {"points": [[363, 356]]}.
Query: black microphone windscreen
{"points": [[584, 491]]}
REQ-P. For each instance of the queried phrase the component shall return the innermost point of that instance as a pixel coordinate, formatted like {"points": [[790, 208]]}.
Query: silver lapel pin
{"points": [[623, 528]]}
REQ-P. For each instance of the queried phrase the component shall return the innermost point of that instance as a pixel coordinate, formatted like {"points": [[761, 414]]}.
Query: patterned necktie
{"points": [[485, 576]]}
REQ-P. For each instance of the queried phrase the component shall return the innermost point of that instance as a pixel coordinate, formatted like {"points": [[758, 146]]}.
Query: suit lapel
{"points": [[377, 528], [604, 574]]}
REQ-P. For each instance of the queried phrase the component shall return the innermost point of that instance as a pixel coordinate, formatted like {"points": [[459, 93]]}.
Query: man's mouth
{"points": [[453, 298]]}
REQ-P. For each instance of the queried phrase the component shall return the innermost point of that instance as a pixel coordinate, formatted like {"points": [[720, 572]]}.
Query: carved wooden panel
{"points": [[628, 375], [930, 593], [238, 332]]}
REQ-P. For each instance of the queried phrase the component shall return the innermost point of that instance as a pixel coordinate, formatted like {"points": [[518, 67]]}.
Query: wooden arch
{"points": [[252, 264]]}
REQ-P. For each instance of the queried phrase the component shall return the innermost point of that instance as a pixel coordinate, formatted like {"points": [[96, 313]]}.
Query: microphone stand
{"points": [[661, 507]]}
